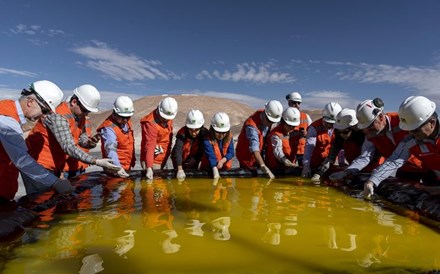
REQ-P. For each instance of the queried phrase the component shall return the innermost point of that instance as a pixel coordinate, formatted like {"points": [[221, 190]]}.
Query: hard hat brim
{"points": [[168, 117], [218, 129]]}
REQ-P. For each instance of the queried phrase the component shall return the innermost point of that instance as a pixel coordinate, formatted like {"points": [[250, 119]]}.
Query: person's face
{"points": [[294, 104], [36, 109], [121, 121], [345, 133], [288, 128], [328, 125], [78, 109], [220, 135], [193, 132], [376, 127], [425, 130]]}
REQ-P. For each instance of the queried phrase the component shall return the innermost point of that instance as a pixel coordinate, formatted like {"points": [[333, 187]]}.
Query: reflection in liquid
{"points": [[124, 243], [281, 227], [91, 264], [167, 246]]}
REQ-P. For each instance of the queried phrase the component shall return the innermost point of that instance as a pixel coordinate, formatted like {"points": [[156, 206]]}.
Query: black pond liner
{"points": [[407, 198]]}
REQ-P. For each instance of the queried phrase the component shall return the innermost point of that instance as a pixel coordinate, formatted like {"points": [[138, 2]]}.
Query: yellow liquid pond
{"points": [[237, 225]]}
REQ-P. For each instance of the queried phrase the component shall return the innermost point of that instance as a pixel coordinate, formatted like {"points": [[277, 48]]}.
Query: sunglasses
{"points": [[294, 103]]}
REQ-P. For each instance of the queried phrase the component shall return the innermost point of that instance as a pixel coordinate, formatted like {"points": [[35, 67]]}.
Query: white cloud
{"points": [[121, 66], [36, 34], [422, 80], [9, 93], [17, 72], [246, 99], [257, 73], [318, 99]]}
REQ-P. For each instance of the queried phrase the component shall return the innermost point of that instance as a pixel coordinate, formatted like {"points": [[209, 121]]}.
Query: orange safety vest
{"points": [[244, 156], [125, 141], [299, 142], [8, 171], [43, 146], [163, 139], [323, 143], [428, 152], [386, 146], [271, 161], [219, 154], [73, 164]]}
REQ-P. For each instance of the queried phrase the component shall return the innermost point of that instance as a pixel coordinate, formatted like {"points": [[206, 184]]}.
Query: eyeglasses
{"points": [[294, 103]]}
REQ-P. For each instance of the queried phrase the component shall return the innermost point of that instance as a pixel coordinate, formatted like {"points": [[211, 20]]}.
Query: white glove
{"points": [[306, 172], [158, 150], [316, 178], [288, 163], [106, 163], [215, 173], [338, 176], [150, 173], [267, 171], [368, 190], [122, 173], [180, 174], [63, 186]]}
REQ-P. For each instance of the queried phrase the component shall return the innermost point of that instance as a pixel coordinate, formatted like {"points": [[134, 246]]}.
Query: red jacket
{"points": [[386, 146], [244, 156], [155, 134], [271, 161]]}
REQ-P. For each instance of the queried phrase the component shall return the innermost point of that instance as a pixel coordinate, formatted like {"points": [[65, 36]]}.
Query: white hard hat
{"points": [[49, 92], [414, 111], [194, 119], [273, 110], [88, 96], [367, 111], [168, 108], [291, 116], [330, 111], [294, 96], [345, 118], [123, 106], [220, 122]]}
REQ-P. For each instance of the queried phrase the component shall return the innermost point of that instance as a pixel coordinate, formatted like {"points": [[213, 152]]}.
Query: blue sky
{"points": [[253, 51]]}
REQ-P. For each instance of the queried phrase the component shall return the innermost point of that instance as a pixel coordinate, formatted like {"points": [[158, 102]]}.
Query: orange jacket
{"points": [[299, 142], [125, 141], [244, 156], [43, 146], [386, 147], [323, 142], [8, 171], [73, 164], [219, 154], [271, 161], [155, 134]]}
